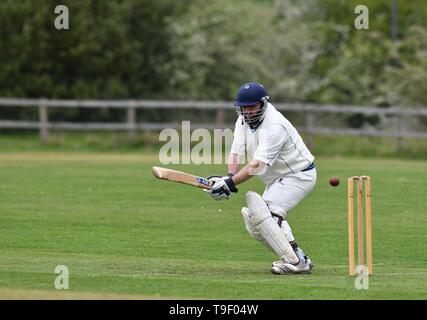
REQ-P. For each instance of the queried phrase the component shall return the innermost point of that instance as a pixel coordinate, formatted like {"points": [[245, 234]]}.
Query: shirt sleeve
{"points": [[270, 144], [239, 142]]}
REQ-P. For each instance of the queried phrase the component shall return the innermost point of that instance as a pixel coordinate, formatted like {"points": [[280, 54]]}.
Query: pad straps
{"points": [[279, 219]]}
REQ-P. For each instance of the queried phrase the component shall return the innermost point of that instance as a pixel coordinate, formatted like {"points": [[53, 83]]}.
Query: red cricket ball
{"points": [[334, 181]]}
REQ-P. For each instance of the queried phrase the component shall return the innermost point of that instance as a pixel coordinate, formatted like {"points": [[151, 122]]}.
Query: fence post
{"points": [[131, 122], [309, 128], [43, 121], [399, 130], [220, 116]]}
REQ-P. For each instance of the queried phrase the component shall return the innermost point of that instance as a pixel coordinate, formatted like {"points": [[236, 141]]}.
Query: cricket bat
{"points": [[181, 177]]}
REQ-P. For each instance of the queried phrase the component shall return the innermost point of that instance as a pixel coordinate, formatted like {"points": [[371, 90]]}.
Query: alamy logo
{"points": [[201, 146], [178, 148], [362, 278], [362, 20], [62, 21], [61, 281]]}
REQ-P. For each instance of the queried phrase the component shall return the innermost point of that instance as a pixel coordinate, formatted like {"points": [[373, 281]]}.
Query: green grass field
{"points": [[122, 233]]}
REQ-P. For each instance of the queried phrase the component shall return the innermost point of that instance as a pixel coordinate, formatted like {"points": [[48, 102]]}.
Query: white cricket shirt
{"points": [[275, 142]]}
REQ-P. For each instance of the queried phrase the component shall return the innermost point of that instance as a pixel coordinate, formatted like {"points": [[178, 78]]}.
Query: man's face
{"points": [[251, 111]]}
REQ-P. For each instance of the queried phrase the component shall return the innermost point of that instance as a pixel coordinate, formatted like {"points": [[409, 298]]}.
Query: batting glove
{"points": [[222, 187], [215, 180]]}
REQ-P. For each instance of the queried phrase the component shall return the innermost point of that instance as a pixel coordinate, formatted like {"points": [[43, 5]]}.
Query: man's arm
{"points": [[233, 163], [265, 153], [251, 169], [237, 147], [222, 187]]}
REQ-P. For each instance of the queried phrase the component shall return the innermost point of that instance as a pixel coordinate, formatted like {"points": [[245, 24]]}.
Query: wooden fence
{"points": [[310, 111]]}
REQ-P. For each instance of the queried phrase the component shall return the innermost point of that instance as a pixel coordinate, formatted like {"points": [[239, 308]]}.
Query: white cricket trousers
{"points": [[286, 192]]}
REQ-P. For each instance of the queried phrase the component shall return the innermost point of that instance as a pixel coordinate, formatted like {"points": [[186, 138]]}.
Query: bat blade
{"points": [[181, 177]]}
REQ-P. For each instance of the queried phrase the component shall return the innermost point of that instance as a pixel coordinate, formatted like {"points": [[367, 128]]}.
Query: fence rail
{"points": [[132, 126]]}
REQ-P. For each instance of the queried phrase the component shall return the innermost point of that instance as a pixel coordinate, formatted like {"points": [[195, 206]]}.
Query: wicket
{"points": [[360, 180]]}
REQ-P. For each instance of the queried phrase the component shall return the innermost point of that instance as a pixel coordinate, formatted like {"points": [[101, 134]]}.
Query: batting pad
{"points": [[253, 231], [261, 219]]}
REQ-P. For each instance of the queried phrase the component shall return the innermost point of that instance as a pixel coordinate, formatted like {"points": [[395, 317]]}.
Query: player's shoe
{"points": [[301, 255], [281, 267]]}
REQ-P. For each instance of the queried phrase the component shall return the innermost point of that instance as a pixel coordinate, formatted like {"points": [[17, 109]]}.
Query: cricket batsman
{"points": [[279, 157]]}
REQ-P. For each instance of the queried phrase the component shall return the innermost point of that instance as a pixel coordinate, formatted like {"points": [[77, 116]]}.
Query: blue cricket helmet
{"points": [[250, 94]]}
